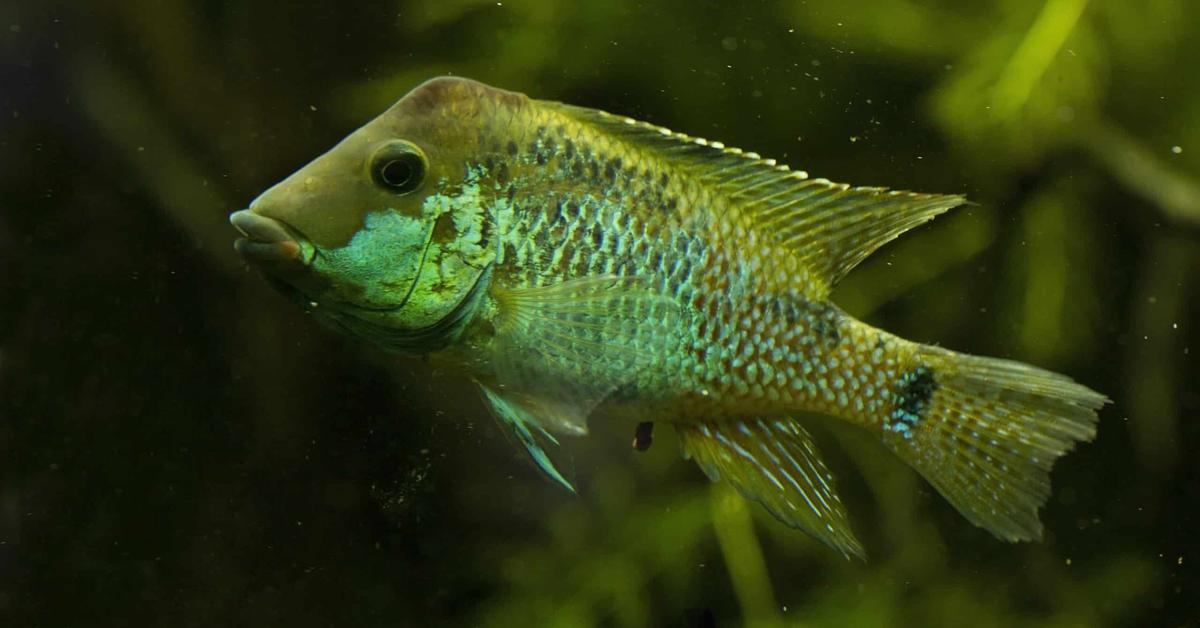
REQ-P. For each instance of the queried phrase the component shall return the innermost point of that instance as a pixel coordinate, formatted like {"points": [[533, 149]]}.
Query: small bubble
{"points": [[1176, 149]]}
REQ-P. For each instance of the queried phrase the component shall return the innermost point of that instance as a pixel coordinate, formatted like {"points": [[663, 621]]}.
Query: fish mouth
{"points": [[269, 242]]}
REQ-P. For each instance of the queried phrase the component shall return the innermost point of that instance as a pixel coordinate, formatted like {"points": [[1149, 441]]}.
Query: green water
{"points": [[180, 446]]}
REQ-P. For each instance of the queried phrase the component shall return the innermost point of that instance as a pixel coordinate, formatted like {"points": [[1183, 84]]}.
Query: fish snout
{"points": [[269, 242]]}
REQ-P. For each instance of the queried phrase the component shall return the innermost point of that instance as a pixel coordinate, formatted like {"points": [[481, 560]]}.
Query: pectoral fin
{"points": [[574, 344], [776, 464], [604, 318]]}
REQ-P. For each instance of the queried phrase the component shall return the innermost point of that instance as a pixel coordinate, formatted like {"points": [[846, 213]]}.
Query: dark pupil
{"points": [[396, 173]]}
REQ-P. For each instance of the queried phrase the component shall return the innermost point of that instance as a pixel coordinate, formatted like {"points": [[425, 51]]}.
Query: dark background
{"points": [[179, 446]]}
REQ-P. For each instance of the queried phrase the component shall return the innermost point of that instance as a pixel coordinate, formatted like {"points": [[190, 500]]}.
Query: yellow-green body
{"points": [[576, 263]]}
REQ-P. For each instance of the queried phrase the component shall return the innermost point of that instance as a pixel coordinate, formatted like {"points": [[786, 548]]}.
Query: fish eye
{"points": [[398, 167]]}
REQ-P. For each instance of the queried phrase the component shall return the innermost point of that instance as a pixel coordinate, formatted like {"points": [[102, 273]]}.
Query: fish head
{"points": [[388, 235]]}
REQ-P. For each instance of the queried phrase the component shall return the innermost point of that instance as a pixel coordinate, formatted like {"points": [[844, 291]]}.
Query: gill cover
{"points": [[396, 215]]}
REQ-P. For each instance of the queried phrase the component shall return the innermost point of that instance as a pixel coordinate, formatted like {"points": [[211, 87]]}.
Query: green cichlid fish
{"points": [[577, 263]]}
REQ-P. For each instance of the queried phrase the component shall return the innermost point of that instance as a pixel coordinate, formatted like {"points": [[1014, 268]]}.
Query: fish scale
{"points": [[577, 263], [566, 223]]}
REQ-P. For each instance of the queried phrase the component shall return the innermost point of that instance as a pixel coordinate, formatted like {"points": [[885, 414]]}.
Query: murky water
{"points": [[179, 445]]}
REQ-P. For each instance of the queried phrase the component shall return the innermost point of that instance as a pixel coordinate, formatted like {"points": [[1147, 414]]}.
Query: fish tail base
{"points": [[985, 432]]}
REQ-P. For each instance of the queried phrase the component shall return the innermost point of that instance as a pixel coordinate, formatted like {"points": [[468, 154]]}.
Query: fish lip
{"points": [[270, 242]]}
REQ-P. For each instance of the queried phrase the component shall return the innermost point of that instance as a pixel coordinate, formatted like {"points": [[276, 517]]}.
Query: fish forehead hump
{"points": [[442, 111]]}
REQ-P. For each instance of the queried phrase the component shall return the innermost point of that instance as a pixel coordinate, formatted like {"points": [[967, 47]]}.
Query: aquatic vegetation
{"points": [[580, 266], [181, 448]]}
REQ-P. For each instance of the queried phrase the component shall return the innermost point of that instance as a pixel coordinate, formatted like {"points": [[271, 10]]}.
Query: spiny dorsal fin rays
{"points": [[831, 226], [857, 224], [775, 463]]}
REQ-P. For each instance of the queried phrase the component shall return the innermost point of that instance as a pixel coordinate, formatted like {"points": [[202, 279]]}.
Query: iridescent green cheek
{"points": [[378, 268]]}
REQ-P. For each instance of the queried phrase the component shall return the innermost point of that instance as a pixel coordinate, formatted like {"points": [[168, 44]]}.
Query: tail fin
{"points": [[985, 433]]}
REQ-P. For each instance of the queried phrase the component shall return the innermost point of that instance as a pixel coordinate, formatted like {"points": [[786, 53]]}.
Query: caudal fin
{"points": [[985, 433]]}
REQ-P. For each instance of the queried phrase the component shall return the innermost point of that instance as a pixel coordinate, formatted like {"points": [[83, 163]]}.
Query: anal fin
{"points": [[775, 463]]}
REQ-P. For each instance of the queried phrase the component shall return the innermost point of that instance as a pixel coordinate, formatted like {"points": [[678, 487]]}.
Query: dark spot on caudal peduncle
{"points": [[913, 392]]}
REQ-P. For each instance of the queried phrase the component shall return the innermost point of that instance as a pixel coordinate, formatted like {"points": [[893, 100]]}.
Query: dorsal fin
{"points": [[832, 226]]}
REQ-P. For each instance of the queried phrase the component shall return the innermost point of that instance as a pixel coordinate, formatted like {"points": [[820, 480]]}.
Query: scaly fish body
{"points": [[575, 262], [749, 324]]}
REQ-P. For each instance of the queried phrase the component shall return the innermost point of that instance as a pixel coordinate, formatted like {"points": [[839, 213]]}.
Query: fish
{"points": [[583, 266]]}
